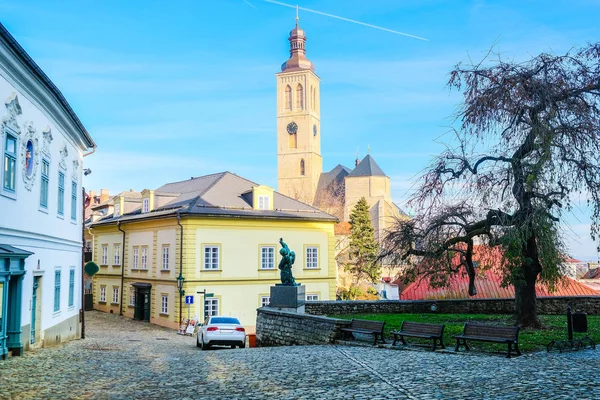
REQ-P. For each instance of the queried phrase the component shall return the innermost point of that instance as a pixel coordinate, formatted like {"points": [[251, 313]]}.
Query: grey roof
{"points": [[367, 167], [37, 71], [11, 251], [226, 195], [336, 175]]}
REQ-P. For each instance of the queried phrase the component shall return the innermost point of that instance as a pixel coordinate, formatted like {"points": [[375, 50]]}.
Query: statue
{"points": [[285, 265]]}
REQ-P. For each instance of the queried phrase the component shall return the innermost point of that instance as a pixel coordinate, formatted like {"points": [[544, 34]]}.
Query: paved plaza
{"points": [[124, 359]]}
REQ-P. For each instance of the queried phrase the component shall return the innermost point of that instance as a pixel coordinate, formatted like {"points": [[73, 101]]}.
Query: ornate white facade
{"points": [[40, 197]]}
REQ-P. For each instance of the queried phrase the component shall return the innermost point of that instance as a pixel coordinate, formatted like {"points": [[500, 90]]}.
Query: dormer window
{"points": [[117, 212], [146, 205], [263, 202]]}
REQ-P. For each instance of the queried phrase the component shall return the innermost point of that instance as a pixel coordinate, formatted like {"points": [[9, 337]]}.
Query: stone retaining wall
{"points": [[545, 305], [282, 328]]}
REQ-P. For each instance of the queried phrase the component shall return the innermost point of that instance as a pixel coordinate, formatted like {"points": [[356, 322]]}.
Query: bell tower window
{"points": [[288, 98], [302, 171], [300, 97]]}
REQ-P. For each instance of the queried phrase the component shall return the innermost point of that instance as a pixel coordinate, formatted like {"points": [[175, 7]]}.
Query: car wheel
{"points": [[243, 345], [198, 342], [233, 346]]}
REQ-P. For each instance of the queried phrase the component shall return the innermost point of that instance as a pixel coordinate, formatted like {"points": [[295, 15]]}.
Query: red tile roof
{"points": [[342, 228], [488, 287]]}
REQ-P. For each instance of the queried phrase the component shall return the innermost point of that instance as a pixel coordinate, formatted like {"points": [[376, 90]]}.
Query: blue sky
{"points": [[171, 90]]}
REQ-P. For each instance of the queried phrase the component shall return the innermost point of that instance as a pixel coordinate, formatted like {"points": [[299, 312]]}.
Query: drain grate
{"points": [[162, 338]]}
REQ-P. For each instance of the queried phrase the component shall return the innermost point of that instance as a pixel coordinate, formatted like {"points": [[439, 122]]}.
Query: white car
{"points": [[218, 330]]}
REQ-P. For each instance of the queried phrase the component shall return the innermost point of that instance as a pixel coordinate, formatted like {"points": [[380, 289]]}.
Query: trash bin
{"points": [[252, 340]]}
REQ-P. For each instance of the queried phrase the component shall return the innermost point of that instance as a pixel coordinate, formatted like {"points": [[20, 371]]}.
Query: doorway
{"points": [[35, 306], [141, 311]]}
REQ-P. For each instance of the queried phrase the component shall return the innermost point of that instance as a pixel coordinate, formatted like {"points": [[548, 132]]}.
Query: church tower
{"points": [[299, 162]]}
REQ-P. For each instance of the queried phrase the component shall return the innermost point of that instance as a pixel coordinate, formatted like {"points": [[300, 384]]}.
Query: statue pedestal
{"points": [[288, 298]]}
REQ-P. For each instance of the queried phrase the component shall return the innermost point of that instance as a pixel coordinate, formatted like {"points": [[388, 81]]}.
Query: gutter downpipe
{"points": [[180, 263], [83, 250], [122, 267]]}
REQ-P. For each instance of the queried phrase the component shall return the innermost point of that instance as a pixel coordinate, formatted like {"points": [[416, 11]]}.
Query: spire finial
{"points": [[297, 17], [368, 149]]}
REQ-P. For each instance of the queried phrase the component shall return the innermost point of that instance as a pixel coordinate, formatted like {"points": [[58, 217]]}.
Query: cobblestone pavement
{"points": [[124, 359]]}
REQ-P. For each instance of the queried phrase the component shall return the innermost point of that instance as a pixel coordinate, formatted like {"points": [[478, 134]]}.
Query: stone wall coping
{"points": [[445, 300], [319, 318]]}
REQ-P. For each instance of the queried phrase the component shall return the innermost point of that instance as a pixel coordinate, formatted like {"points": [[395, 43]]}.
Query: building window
{"points": [[115, 298], [56, 291], [263, 202], [267, 257], [132, 296], [10, 163], [136, 255], [144, 258], [164, 304], [44, 184], [117, 211], [288, 98], [146, 205], [312, 257], [312, 297], [165, 258], [302, 171], [117, 250], [71, 287], [211, 307], [300, 97], [102, 294], [61, 193], [265, 301], [211, 257], [293, 141], [74, 201], [104, 255]]}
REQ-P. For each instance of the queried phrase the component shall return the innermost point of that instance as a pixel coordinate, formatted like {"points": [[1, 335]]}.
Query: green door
{"points": [[34, 307], [147, 306]]}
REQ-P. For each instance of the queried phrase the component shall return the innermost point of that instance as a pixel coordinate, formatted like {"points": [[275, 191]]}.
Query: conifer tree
{"points": [[363, 249]]}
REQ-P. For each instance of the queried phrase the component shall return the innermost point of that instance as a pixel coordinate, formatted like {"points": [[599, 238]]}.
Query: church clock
{"points": [[292, 128]]}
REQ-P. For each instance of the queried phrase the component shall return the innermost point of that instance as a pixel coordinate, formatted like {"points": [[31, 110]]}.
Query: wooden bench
{"points": [[489, 333], [433, 332], [374, 328]]}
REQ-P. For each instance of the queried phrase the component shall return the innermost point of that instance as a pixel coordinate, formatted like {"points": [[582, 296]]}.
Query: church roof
{"points": [[367, 167], [336, 175]]}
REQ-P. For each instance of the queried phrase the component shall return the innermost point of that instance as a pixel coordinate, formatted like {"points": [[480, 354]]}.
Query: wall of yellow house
{"points": [[239, 281]]}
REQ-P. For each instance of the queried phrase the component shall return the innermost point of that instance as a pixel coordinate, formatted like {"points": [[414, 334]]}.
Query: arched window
{"points": [[300, 97], [302, 167], [314, 99], [288, 98], [293, 141]]}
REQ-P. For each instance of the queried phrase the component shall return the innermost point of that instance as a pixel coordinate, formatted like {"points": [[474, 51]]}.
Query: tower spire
{"points": [[297, 39]]}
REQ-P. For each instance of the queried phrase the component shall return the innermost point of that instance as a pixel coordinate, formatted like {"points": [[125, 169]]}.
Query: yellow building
{"points": [[220, 233], [299, 160]]}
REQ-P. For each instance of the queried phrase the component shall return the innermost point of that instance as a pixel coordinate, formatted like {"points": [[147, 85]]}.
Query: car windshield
{"points": [[224, 320]]}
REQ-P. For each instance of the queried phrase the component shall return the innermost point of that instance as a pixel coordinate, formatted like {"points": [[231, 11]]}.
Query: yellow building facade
{"points": [[220, 233]]}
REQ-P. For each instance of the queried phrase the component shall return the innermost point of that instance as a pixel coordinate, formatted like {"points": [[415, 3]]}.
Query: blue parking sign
{"points": [[189, 299]]}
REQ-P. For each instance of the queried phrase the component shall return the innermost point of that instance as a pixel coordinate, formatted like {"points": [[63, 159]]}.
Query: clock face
{"points": [[315, 130], [292, 128]]}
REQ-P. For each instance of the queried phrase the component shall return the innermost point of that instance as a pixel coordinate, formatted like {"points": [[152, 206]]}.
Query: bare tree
{"points": [[528, 141]]}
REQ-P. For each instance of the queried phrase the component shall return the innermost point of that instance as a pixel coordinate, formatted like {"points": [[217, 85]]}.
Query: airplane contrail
{"points": [[346, 19], [250, 4]]}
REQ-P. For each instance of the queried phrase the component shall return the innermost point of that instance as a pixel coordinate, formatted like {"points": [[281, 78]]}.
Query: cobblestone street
{"points": [[123, 359]]}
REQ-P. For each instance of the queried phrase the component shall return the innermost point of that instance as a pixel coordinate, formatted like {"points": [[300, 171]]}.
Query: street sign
{"points": [[189, 299], [209, 295]]}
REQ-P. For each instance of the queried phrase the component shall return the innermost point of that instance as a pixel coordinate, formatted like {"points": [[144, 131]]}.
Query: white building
{"points": [[42, 145]]}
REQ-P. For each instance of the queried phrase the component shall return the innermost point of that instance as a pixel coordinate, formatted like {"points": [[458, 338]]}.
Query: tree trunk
{"points": [[525, 304]]}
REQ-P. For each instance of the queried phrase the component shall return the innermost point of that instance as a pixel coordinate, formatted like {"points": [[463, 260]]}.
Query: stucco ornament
{"points": [[47, 137], [13, 109], [30, 155], [75, 169], [64, 153]]}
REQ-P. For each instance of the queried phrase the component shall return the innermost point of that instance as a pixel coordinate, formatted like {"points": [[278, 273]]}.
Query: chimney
{"points": [[104, 195], [92, 194]]}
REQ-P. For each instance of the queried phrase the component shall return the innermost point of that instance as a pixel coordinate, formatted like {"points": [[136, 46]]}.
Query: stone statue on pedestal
{"points": [[285, 265]]}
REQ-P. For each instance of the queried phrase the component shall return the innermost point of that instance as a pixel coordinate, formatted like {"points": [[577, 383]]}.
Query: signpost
{"points": [[204, 305], [189, 300]]}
